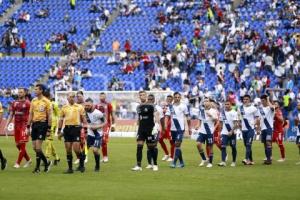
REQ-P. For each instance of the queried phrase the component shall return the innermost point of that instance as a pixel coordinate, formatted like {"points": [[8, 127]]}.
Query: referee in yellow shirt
{"points": [[3, 161], [40, 123], [73, 117]]}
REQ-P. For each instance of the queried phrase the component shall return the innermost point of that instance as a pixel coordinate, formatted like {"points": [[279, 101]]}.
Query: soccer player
{"points": [[166, 132], [20, 112], [151, 100], [267, 112], [148, 126], [249, 117], [50, 149], [73, 116], [96, 121], [207, 119], [179, 114], [278, 132], [83, 146], [106, 108], [297, 124], [3, 160], [40, 123], [228, 123]]}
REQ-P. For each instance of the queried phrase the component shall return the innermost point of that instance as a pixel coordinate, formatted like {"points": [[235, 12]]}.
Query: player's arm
{"points": [[60, 123], [188, 121], [49, 116], [98, 126], [10, 117]]}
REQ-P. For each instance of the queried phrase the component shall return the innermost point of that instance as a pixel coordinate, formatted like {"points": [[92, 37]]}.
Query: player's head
{"points": [[177, 97], [206, 103], [39, 89], [47, 94], [169, 99], [102, 97], [71, 98], [21, 93], [143, 96], [227, 105], [80, 97], [151, 99], [88, 105], [276, 104], [246, 99], [264, 99]]}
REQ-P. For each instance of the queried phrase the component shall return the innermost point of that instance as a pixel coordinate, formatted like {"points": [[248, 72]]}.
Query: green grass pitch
{"points": [[116, 181]]}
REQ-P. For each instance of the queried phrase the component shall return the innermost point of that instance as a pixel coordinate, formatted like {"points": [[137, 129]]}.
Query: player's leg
{"points": [[178, 151], [245, 137], [298, 145], [172, 149], [209, 144], [68, 147], [96, 151], [141, 137], [200, 141], [279, 142], [232, 142], [249, 140], [268, 146], [153, 151], [105, 142], [3, 161], [224, 141], [76, 143], [164, 147]]}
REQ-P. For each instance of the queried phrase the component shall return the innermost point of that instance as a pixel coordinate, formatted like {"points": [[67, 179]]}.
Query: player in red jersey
{"points": [[166, 132], [278, 132], [106, 107], [19, 110]]}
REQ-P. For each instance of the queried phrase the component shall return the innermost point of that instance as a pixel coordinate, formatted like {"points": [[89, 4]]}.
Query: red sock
{"points": [[282, 151], [172, 148], [26, 156], [163, 146], [104, 149], [21, 152], [219, 146], [207, 151]]}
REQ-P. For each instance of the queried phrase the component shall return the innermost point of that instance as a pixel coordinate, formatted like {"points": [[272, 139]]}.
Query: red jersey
{"points": [[278, 122], [21, 108], [106, 108]]}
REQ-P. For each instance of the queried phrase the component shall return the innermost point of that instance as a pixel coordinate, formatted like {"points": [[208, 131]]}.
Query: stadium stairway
{"points": [[11, 11]]}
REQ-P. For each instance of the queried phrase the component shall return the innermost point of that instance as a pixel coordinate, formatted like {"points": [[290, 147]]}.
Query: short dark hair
{"points": [[176, 93], [102, 93], [40, 86], [89, 100], [170, 96], [79, 92], [246, 95], [264, 96], [142, 91]]}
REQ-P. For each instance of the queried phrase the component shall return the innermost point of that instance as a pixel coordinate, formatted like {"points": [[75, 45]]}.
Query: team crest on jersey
{"points": [[42, 108], [146, 109]]}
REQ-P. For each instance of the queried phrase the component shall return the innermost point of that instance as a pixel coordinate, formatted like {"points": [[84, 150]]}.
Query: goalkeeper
{"points": [[148, 125]]}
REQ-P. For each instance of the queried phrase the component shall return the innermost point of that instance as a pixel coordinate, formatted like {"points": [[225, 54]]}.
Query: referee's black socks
{"points": [[97, 160], [70, 161], [1, 156]]}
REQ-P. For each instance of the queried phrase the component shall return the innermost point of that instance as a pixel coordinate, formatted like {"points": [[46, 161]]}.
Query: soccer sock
{"points": [[43, 158], [70, 161], [163, 146], [223, 154], [104, 149], [269, 153], [234, 154], [202, 154], [97, 160], [250, 155], [81, 159], [1, 156], [207, 151], [180, 156], [26, 156], [282, 151], [154, 155], [21, 153], [176, 156], [38, 160], [211, 157], [149, 156], [139, 154], [172, 148], [248, 152]]}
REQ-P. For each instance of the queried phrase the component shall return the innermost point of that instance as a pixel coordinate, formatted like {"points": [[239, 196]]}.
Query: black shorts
{"points": [[94, 141], [146, 135], [72, 133], [39, 130]]}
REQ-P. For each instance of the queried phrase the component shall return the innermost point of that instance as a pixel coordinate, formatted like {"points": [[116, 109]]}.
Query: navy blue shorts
{"points": [[298, 139], [94, 141], [266, 135], [228, 140], [177, 136], [248, 137], [206, 138]]}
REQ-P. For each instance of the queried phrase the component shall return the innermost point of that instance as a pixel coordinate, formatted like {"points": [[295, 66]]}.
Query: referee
{"points": [[73, 116], [40, 123]]}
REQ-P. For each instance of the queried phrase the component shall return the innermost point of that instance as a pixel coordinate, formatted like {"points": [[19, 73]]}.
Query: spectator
{"points": [[42, 13], [47, 48], [72, 4], [23, 47], [127, 46]]}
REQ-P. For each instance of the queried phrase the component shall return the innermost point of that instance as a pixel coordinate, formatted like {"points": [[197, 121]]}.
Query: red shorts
{"points": [[20, 134], [106, 130], [166, 135], [278, 138]]}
